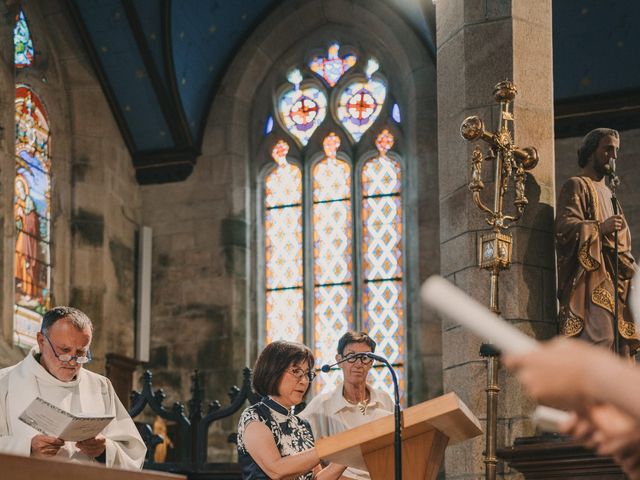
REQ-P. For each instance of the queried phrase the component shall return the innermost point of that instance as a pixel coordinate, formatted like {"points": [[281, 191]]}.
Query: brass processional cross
{"points": [[494, 249]]}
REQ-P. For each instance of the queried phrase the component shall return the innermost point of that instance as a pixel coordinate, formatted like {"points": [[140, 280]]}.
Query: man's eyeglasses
{"points": [[300, 373], [66, 358], [353, 357]]}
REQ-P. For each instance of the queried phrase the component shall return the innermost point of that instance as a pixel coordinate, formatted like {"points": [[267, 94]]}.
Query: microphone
{"points": [[325, 368], [397, 413]]}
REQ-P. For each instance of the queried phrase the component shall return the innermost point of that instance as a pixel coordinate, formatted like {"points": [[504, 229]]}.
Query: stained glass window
{"points": [[360, 102], [32, 214], [343, 283], [283, 248], [332, 255], [383, 312], [22, 43], [302, 108], [332, 66]]}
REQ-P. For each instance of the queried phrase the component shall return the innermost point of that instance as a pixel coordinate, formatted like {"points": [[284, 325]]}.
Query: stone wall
{"points": [[205, 261], [95, 197], [479, 45]]}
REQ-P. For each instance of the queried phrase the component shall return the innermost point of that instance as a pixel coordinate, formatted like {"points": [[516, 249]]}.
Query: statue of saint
{"points": [[585, 226]]}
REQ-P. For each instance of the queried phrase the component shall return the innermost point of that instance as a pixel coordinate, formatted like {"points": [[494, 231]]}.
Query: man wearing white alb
{"points": [[353, 403], [53, 371]]}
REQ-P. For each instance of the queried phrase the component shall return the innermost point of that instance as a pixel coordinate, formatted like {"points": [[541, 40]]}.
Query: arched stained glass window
{"points": [[22, 43], [382, 258], [283, 248], [332, 254], [32, 213], [332, 66], [302, 108], [360, 103], [333, 228]]}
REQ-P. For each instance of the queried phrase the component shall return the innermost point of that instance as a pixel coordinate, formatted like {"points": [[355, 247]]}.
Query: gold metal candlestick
{"points": [[494, 249]]}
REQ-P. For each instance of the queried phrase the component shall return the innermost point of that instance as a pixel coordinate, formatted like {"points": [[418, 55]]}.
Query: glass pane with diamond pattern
{"points": [[283, 250], [382, 237], [283, 247], [284, 315], [383, 319], [332, 256], [333, 316], [382, 259]]}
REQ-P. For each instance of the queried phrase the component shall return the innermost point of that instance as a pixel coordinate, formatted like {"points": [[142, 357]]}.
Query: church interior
{"points": [[203, 177]]}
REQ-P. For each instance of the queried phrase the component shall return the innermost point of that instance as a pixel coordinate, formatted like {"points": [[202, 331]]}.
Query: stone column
{"points": [[481, 43]]}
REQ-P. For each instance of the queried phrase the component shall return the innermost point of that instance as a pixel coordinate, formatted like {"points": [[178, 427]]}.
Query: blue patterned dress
{"points": [[291, 434]]}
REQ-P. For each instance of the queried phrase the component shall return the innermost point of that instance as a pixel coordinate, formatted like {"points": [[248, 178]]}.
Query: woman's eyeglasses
{"points": [[300, 373]]}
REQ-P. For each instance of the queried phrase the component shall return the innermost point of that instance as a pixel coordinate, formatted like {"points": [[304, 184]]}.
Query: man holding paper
{"points": [[53, 372], [585, 227]]}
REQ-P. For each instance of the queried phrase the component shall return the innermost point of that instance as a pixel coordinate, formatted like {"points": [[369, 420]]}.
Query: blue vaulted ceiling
{"points": [[160, 61]]}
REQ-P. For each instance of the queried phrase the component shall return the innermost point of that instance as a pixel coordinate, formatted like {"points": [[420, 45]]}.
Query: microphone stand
{"points": [[397, 439], [613, 184]]}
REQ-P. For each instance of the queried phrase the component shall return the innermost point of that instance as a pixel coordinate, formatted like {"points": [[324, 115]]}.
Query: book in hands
{"points": [[56, 422]]}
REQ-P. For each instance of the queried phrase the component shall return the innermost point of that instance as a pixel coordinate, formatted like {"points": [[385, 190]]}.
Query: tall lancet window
{"points": [[32, 214], [332, 219], [283, 248], [31, 200]]}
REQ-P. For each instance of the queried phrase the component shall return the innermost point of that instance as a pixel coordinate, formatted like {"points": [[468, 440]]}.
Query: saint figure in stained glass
{"points": [[32, 213], [22, 43]]}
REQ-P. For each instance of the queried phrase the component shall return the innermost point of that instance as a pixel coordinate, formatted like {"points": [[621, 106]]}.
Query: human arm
{"points": [[574, 375], [124, 447], [261, 446]]}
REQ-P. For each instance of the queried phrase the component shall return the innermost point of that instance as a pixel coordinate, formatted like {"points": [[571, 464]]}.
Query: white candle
{"points": [[449, 300]]}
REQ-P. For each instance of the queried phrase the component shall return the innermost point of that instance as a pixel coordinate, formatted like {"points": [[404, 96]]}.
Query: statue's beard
{"points": [[602, 169]]}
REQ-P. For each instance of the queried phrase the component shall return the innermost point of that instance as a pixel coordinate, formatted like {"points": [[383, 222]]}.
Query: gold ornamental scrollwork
{"points": [[510, 164]]}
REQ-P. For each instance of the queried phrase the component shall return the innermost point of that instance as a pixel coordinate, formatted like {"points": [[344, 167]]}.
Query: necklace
{"points": [[362, 404]]}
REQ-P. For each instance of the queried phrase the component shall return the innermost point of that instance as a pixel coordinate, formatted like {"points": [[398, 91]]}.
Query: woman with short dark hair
{"points": [[273, 442]]}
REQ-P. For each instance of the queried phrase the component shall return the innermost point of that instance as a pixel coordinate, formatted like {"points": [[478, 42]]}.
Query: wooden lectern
{"points": [[28, 468], [427, 430]]}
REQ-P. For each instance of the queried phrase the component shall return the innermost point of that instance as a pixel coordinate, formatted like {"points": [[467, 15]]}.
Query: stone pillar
{"points": [[481, 43]]}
